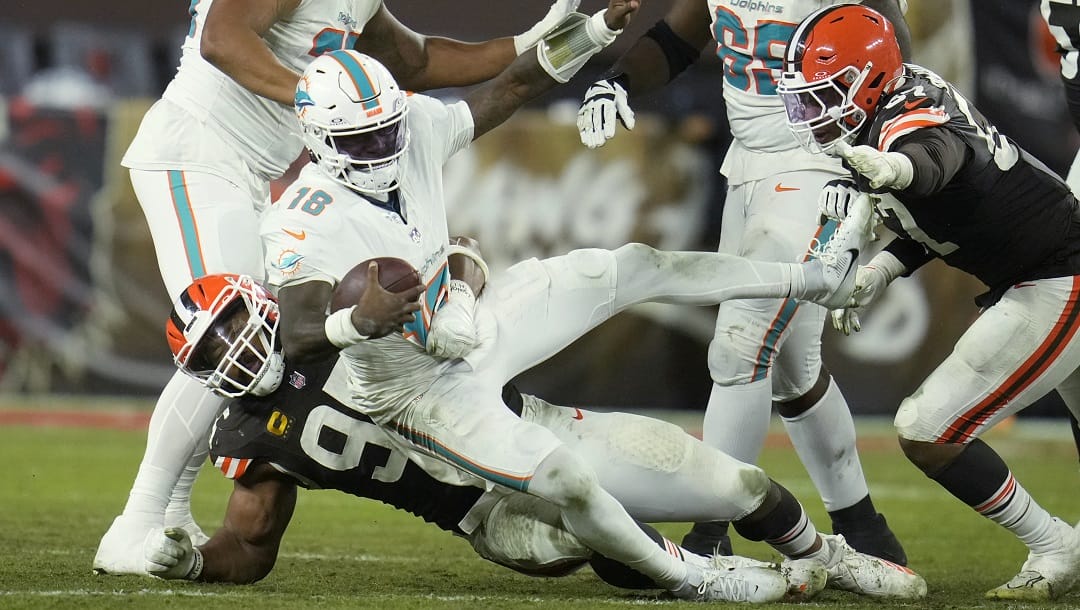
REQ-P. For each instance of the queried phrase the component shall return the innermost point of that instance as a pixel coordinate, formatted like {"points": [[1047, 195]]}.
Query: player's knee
{"points": [[566, 480], [929, 457], [728, 364]]}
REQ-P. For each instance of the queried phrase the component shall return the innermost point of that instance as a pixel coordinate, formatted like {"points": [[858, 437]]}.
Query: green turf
{"points": [[61, 488]]}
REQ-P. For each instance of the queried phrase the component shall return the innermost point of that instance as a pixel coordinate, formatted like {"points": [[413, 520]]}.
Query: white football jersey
{"points": [[319, 229], [264, 133], [751, 37]]}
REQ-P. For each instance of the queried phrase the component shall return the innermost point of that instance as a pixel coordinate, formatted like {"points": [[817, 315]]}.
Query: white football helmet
{"points": [[352, 114], [223, 332]]}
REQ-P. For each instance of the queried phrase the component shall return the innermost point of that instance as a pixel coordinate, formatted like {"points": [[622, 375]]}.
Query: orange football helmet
{"points": [[840, 61], [223, 332]]}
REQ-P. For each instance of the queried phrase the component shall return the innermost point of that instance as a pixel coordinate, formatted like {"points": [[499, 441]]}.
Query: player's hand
{"points": [[453, 329], [605, 102], [558, 11], [169, 554], [835, 198], [619, 13], [891, 170], [381, 312], [870, 283], [846, 320]]}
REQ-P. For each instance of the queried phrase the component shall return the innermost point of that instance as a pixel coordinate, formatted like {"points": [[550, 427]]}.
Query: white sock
{"points": [[1013, 508], [737, 419], [180, 422], [178, 512], [796, 541], [824, 438]]}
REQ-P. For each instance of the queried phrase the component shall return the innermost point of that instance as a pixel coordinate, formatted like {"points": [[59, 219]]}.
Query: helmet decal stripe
{"points": [[368, 95]]}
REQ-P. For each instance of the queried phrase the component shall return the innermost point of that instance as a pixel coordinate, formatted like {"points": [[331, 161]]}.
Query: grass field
{"points": [[62, 486]]}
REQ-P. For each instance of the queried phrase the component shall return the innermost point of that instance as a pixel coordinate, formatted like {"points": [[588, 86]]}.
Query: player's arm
{"points": [[526, 78], [420, 62], [246, 546], [232, 41], [894, 11], [307, 333], [453, 327], [919, 164], [666, 50]]}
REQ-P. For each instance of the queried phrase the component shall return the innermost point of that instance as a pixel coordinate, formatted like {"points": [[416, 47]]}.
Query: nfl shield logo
{"points": [[415, 235], [297, 380]]}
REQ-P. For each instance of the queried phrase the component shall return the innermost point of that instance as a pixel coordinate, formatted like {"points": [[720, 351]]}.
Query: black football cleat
{"points": [[709, 538], [873, 537]]}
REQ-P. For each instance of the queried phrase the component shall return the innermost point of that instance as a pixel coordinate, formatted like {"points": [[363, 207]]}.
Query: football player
{"points": [[201, 166], [305, 433], [375, 189], [1064, 21], [763, 352], [968, 195]]}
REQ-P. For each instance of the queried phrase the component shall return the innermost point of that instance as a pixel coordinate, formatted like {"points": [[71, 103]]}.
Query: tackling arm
{"points": [[232, 41], [245, 548]]}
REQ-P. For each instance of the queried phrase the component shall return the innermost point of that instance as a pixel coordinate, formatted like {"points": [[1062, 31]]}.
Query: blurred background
{"points": [[82, 306]]}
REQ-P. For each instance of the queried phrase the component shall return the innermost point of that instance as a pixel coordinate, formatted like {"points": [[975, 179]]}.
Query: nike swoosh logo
{"points": [[578, 414], [302, 235], [780, 188], [913, 104]]}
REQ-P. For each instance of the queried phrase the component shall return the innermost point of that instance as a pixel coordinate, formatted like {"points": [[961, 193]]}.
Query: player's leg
{"points": [[757, 340], [461, 420], [1017, 351], [658, 472], [200, 224], [819, 423]]}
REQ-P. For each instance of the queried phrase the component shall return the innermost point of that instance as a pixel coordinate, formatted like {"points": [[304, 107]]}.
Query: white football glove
{"points": [[555, 15], [890, 170], [453, 330], [169, 555], [835, 197], [605, 101], [871, 280]]}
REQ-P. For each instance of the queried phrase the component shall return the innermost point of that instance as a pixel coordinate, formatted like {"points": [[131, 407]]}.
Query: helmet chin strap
{"points": [[271, 377]]}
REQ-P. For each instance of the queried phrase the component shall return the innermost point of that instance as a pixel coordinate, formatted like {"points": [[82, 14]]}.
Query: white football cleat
{"points": [[837, 260], [741, 579], [1046, 576], [850, 570], [121, 548], [805, 577]]}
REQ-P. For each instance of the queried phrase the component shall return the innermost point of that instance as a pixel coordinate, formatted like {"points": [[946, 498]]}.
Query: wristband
{"points": [[469, 253], [197, 567], [462, 289], [340, 330]]}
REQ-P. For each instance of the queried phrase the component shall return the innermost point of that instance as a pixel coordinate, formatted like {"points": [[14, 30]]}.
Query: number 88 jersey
{"points": [[751, 36]]}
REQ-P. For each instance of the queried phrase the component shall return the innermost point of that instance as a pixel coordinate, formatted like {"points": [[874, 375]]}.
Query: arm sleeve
{"points": [[936, 156], [910, 253]]}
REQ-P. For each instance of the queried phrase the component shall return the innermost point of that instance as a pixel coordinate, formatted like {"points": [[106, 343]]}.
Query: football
{"points": [[395, 275]]}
